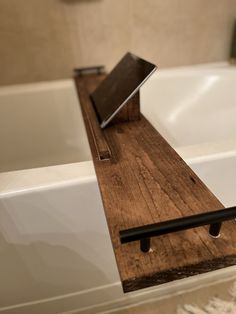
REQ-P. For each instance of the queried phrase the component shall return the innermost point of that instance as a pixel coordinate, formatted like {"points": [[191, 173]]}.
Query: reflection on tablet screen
{"points": [[119, 86]]}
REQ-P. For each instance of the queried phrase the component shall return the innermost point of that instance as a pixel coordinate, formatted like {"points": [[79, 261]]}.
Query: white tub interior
{"points": [[219, 174], [193, 108], [41, 125]]}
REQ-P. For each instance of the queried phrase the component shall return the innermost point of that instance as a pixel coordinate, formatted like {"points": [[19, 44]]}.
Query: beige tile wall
{"points": [[45, 39]]}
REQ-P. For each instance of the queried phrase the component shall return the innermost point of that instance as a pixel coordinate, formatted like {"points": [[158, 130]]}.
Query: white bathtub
{"points": [[218, 172], [55, 250], [194, 108], [41, 125]]}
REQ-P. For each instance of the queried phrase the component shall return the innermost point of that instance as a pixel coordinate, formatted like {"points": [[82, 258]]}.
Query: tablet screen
{"points": [[119, 86]]}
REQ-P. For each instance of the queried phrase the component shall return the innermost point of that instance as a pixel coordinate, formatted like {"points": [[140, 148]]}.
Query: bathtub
{"points": [[41, 126], [55, 250], [218, 172], [193, 108]]}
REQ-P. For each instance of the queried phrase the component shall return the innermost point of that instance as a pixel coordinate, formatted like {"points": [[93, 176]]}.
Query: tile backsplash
{"points": [[45, 39]]}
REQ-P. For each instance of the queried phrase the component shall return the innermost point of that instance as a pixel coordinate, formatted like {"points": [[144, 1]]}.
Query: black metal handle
{"points": [[144, 233]]}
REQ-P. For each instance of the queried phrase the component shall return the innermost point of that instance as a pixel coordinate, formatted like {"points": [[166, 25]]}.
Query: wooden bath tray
{"points": [[144, 181]]}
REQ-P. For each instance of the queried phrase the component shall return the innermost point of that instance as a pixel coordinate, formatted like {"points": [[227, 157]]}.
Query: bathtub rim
{"points": [[28, 180], [207, 151], [205, 68], [38, 86]]}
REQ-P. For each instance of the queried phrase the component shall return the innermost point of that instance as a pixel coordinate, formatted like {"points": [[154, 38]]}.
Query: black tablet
{"points": [[119, 86]]}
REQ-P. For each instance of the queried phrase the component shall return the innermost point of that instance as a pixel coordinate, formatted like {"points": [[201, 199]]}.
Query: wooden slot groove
{"points": [[102, 148]]}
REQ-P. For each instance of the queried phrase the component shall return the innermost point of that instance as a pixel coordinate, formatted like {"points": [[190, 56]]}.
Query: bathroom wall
{"points": [[45, 39]]}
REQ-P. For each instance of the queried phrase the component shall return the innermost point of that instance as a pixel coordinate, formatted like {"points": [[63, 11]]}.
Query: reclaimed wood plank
{"points": [[145, 181], [130, 111]]}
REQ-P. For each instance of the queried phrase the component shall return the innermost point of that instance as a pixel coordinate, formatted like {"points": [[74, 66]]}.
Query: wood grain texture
{"points": [[145, 181], [130, 111]]}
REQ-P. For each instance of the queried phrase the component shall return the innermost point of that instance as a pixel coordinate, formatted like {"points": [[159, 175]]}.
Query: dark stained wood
{"points": [[145, 181], [130, 111], [102, 148]]}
